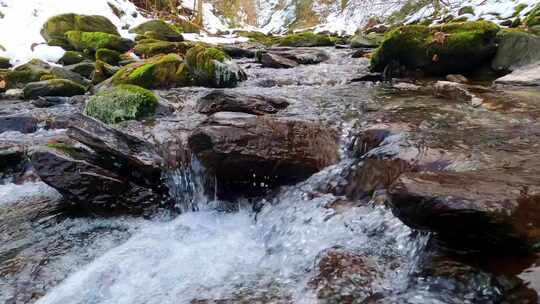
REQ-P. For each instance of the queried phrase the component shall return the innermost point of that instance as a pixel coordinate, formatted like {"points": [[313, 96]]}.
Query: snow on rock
{"points": [[23, 20]]}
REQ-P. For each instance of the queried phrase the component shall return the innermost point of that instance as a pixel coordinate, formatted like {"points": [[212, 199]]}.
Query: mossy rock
{"points": [[212, 67], [159, 29], [150, 47], [71, 57], [103, 71], [4, 63], [158, 72], [258, 37], [53, 87], [370, 40], [92, 41], [55, 28], [31, 71], [466, 10], [120, 103], [84, 68], [109, 56], [306, 39], [442, 49], [63, 73], [533, 17]]}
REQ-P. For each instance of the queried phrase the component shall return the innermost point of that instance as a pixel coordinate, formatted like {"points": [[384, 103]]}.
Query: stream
{"points": [[274, 248]]}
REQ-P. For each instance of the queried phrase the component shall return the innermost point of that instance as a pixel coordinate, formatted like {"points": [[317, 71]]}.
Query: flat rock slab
{"points": [[525, 76], [479, 210], [229, 101]]}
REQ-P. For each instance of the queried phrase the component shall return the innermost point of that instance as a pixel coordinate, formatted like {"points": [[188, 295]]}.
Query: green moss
{"points": [[103, 71], [64, 148], [306, 39], [31, 71], [518, 9], [466, 10], [160, 29], [123, 102], [92, 41], [54, 28], [212, 67], [158, 72], [151, 47], [450, 48], [533, 17], [259, 37], [108, 56]]}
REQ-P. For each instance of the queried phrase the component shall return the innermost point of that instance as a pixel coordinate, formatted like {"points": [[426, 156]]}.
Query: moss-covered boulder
{"points": [[533, 17], [92, 41], [120, 103], [4, 63], [84, 68], [158, 29], [53, 87], [258, 37], [306, 39], [103, 71], [443, 49], [31, 71], [158, 72], [371, 40], [109, 56], [150, 47], [212, 67], [55, 28], [63, 73], [71, 57]]}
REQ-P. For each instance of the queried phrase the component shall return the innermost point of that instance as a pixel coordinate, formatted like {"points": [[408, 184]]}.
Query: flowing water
{"points": [[265, 250]]}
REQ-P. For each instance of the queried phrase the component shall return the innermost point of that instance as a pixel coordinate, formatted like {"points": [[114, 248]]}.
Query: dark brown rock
{"points": [[18, 123], [270, 60], [483, 210], [257, 152], [229, 101]]}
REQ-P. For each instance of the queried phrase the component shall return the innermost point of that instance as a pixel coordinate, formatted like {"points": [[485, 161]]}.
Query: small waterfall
{"points": [[187, 187]]}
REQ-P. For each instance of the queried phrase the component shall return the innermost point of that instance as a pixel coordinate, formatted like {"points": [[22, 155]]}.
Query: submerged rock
{"points": [[212, 67], [252, 153], [441, 49], [53, 87], [123, 102], [228, 101], [483, 210]]}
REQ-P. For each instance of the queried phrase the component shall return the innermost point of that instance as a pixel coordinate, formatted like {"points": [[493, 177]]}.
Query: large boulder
{"points": [[229, 101], [92, 41], [293, 56], [55, 28], [212, 67], [253, 153], [123, 102], [158, 72], [516, 49], [306, 39], [442, 49], [31, 71], [524, 76], [101, 170], [160, 29], [53, 87], [482, 210], [371, 40], [150, 47], [108, 56]]}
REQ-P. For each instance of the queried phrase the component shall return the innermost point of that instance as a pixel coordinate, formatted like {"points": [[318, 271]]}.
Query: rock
{"points": [[149, 47], [162, 29], [13, 94], [301, 55], [123, 102], [18, 123], [370, 77], [516, 49], [71, 57], [270, 60], [92, 41], [103, 71], [29, 72], [238, 52], [62, 73], [361, 53], [371, 40], [457, 78], [54, 87], [466, 10], [4, 63], [250, 153], [84, 68], [494, 211], [306, 39], [102, 170], [524, 76], [344, 277], [13, 162], [159, 72], [455, 91], [211, 67], [108, 56], [229, 101], [56, 27], [367, 140], [443, 49]]}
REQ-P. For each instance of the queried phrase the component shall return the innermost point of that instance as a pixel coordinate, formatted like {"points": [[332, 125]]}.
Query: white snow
{"points": [[23, 20], [225, 39]]}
